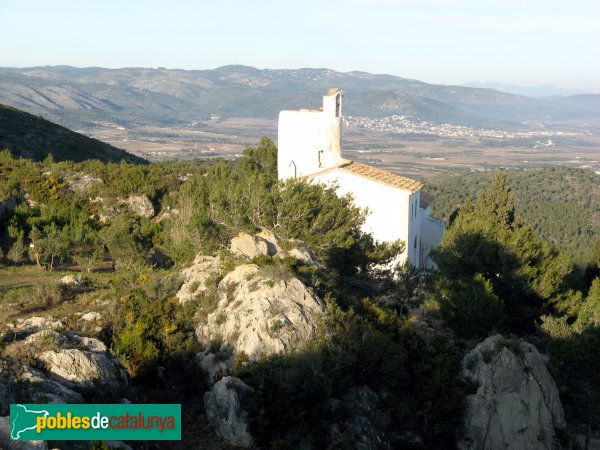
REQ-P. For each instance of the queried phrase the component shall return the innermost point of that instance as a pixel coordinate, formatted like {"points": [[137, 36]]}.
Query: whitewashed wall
{"points": [[389, 215], [309, 140]]}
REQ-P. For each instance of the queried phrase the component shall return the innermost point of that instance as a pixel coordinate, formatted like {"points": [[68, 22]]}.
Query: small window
{"points": [[338, 105], [415, 245]]}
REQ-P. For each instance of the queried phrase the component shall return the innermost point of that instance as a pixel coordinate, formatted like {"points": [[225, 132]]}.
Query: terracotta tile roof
{"points": [[332, 91], [380, 175]]}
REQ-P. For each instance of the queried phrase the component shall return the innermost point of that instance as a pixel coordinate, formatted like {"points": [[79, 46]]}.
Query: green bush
{"points": [[471, 309], [152, 331]]}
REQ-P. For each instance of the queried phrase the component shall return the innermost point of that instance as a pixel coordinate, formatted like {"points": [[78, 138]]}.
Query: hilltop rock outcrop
{"points": [[516, 404], [259, 313]]}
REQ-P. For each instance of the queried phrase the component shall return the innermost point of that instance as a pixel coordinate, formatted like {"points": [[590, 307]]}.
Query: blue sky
{"points": [[526, 42]]}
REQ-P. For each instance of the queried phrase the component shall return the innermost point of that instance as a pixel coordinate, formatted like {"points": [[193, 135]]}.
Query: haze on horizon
{"points": [[524, 43]]}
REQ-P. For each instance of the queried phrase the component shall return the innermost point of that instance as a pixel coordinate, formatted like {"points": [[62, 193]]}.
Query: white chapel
{"points": [[309, 142]]}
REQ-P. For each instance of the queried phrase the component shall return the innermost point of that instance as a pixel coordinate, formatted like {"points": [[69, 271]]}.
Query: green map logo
{"points": [[23, 420], [101, 422]]}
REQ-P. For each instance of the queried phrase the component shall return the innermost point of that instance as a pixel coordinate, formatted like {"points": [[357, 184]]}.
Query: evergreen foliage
{"points": [[561, 204], [526, 274]]}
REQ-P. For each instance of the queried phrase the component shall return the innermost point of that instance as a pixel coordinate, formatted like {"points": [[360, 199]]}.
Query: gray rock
{"points": [[39, 389], [224, 409], [92, 316], [88, 343], [245, 244], [106, 208], [259, 314], [47, 337], [56, 339], [214, 365], [39, 323], [82, 182], [46, 390], [7, 444], [70, 280], [273, 242], [195, 277], [360, 411], [516, 405], [26, 327], [303, 252], [140, 205], [81, 368]]}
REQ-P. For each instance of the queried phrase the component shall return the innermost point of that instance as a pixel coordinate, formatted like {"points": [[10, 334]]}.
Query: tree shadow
{"points": [[374, 382], [575, 366], [527, 283]]}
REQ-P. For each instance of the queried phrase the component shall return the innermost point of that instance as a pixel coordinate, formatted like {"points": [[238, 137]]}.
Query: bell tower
{"points": [[309, 140]]}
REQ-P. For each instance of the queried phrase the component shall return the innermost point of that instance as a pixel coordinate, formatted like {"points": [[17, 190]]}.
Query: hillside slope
{"points": [[33, 137]]}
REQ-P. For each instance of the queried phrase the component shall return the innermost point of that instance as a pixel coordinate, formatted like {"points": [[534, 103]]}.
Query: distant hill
{"points": [[74, 97], [33, 137], [528, 91]]}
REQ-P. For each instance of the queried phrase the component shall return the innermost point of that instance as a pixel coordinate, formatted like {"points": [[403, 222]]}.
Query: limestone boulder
{"points": [[46, 390], [250, 246], [224, 407], [87, 343], [214, 364], [260, 313], [48, 338], [516, 403], [302, 252], [273, 242], [92, 316], [39, 388], [70, 280], [26, 327], [195, 277], [82, 183], [40, 323], [51, 338], [76, 368], [140, 205]]}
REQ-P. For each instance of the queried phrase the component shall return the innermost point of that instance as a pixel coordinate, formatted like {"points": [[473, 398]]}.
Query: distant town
{"points": [[399, 124]]}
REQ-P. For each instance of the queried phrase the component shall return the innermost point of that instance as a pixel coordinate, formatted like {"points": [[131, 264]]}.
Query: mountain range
{"points": [[74, 97]]}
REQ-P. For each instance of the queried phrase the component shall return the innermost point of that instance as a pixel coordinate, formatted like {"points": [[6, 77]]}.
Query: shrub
{"points": [[151, 332], [472, 310]]}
